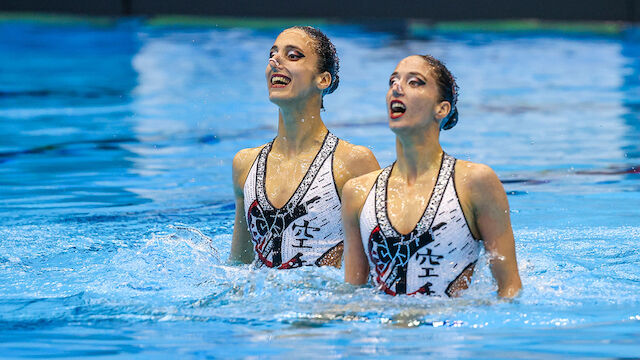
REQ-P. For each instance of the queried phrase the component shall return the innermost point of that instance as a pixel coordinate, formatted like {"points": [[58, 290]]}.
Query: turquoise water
{"points": [[116, 207]]}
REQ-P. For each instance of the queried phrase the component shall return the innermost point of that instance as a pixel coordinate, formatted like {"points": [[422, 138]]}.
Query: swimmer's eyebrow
{"points": [[418, 75], [293, 47], [413, 73], [288, 47]]}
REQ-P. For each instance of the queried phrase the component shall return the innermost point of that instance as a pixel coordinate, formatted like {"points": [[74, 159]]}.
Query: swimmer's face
{"points": [[292, 73], [413, 98]]}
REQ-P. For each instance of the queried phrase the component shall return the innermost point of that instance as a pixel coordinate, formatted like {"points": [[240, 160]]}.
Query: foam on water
{"points": [[178, 275]]}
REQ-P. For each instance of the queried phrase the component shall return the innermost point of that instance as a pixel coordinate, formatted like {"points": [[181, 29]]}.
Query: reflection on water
{"points": [[64, 95], [116, 207]]}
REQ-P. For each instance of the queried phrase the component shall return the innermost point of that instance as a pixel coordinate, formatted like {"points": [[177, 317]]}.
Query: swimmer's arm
{"points": [[491, 211], [356, 265], [241, 246], [354, 161]]}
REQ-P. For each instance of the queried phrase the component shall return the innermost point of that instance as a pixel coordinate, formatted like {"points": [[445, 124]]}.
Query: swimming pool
{"points": [[116, 207]]}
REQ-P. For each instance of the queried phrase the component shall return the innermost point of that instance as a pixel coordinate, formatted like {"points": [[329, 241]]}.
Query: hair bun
{"points": [[335, 81], [451, 120]]}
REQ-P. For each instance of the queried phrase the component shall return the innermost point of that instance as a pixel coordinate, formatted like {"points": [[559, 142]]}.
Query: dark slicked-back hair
{"points": [[447, 88], [328, 55]]}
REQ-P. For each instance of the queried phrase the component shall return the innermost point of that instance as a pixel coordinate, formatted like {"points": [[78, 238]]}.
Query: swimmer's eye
{"points": [[392, 81], [271, 53], [294, 55], [416, 82]]}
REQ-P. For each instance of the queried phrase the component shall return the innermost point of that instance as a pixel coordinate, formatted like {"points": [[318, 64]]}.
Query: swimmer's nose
{"points": [[273, 61], [397, 89]]}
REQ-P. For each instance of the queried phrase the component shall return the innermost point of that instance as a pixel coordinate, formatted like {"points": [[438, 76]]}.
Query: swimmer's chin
{"points": [[285, 99], [399, 125], [402, 128], [278, 98], [280, 101]]}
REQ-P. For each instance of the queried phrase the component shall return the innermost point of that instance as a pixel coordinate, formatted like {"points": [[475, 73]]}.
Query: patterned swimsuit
{"points": [[430, 258], [307, 230]]}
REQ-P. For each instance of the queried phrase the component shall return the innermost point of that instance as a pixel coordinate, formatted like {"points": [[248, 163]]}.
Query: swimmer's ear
{"points": [[442, 110], [323, 80]]}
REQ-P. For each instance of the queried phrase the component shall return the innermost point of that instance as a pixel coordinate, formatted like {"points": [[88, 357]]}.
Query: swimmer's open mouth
{"points": [[279, 81], [397, 109]]}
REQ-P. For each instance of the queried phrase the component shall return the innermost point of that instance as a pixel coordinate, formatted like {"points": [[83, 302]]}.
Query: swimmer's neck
{"points": [[418, 154], [298, 130]]}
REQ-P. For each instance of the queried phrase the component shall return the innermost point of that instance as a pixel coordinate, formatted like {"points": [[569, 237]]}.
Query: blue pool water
{"points": [[116, 209]]}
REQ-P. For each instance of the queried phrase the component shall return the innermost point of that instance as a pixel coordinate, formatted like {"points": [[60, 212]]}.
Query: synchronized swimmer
{"points": [[288, 191], [412, 228]]}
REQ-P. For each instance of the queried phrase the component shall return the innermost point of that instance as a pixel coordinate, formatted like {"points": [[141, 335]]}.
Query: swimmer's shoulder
{"points": [[352, 154], [242, 162], [356, 190], [475, 176], [354, 160], [476, 183]]}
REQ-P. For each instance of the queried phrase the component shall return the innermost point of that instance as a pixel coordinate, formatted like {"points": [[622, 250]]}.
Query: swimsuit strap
{"points": [[261, 171], [381, 202]]}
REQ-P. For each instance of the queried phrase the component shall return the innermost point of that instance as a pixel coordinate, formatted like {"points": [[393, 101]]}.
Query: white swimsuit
{"points": [[432, 256], [307, 230]]}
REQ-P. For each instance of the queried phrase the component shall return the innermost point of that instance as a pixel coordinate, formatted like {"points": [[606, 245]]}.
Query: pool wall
{"points": [[440, 10]]}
